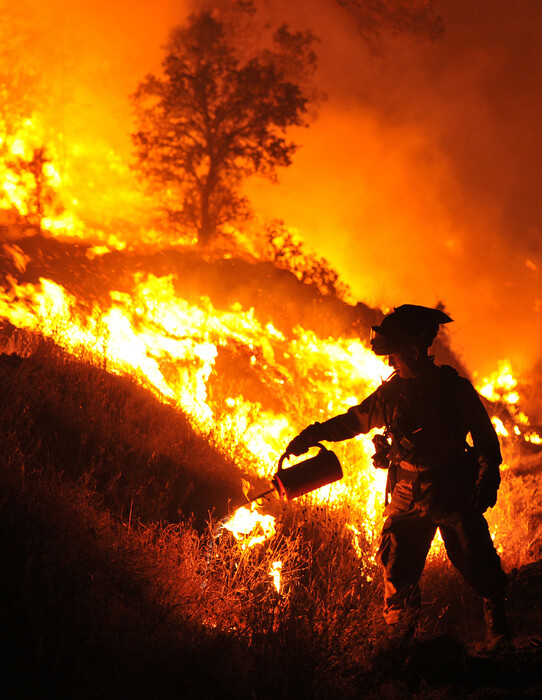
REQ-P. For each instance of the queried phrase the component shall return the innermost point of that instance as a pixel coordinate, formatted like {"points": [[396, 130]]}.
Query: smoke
{"points": [[419, 180], [90, 58], [82, 62]]}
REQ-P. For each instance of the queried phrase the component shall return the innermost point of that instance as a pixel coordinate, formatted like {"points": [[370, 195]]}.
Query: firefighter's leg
{"points": [[405, 542], [471, 550]]}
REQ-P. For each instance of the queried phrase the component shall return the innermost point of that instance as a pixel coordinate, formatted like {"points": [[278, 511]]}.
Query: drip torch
{"points": [[304, 477]]}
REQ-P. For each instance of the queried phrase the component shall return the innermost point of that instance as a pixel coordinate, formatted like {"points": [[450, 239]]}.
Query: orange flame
{"points": [[501, 387], [150, 330], [275, 573], [250, 527], [172, 346]]}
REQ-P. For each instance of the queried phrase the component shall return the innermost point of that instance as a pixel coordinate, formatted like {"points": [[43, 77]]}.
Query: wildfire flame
{"points": [[501, 388], [172, 346], [275, 573], [250, 527]]}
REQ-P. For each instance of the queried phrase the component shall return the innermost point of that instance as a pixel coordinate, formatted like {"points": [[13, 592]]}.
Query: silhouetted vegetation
{"points": [[287, 253], [217, 115], [415, 17], [110, 590]]}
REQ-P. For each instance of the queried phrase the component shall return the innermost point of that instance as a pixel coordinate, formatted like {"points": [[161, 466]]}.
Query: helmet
{"points": [[407, 325]]}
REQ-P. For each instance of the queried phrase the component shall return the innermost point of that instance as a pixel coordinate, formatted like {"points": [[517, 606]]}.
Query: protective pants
{"points": [[405, 542]]}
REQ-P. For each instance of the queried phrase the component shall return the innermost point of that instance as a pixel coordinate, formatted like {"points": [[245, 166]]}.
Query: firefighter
{"points": [[438, 478]]}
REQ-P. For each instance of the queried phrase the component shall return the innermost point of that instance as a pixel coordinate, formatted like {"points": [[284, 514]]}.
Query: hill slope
{"points": [[104, 602]]}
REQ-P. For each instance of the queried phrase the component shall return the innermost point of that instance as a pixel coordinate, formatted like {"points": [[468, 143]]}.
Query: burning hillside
{"points": [[95, 472], [244, 349], [236, 333], [245, 374], [250, 341]]}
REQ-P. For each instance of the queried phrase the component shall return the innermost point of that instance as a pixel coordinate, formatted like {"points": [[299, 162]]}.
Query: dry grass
{"points": [[142, 456], [115, 590]]}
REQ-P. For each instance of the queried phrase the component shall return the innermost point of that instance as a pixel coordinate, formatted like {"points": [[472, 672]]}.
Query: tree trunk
{"points": [[206, 233], [206, 230]]}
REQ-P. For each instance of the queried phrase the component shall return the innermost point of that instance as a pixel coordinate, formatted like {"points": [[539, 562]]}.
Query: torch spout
{"points": [[261, 495]]}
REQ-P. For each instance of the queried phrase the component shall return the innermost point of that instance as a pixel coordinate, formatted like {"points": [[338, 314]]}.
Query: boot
{"points": [[497, 629], [401, 623]]}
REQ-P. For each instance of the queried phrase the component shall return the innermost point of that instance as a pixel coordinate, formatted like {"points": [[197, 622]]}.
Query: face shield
{"points": [[382, 344]]}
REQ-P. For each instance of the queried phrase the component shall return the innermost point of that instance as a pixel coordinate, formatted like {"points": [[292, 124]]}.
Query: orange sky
{"points": [[420, 179]]}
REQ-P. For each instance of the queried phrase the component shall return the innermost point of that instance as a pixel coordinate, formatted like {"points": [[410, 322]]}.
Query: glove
{"points": [[306, 438], [485, 491]]}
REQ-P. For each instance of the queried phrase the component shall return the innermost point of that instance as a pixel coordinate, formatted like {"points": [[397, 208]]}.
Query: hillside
{"points": [[118, 470], [275, 294], [108, 600]]}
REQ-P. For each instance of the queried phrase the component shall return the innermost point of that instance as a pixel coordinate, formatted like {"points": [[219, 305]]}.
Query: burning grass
{"points": [[114, 591], [143, 457]]}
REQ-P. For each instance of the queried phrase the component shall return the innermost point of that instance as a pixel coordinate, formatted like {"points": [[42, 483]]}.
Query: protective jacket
{"points": [[428, 418]]}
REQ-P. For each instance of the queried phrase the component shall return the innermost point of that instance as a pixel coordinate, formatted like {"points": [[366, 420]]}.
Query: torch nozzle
{"points": [[261, 495]]}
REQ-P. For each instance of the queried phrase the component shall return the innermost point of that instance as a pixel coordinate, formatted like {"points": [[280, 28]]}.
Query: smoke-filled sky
{"points": [[420, 179]]}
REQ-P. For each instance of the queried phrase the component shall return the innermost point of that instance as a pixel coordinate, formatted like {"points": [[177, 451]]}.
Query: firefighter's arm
{"points": [[488, 453], [358, 419]]}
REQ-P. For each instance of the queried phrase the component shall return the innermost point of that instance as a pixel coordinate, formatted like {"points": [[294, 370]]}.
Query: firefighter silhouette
{"points": [[435, 479]]}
